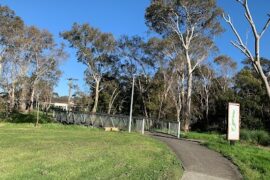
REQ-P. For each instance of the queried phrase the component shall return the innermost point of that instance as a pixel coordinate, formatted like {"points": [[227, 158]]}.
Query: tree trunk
{"points": [[1, 67], [48, 105], [207, 110], [160, 108], [144, 108], [189, 92], [12, 98], [94, 110], [178, 111], [37, 114], [109, 109], [12, 93], [23, 98], [264, 78], [112, 99], [143, 99], [32, 100]]}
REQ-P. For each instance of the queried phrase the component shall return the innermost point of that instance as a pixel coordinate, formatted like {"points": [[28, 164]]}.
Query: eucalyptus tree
{"points": [[166, 53], [250, 90], [226, 69], [10, 29], [203, 88], [135, 62], [157, 49], [255, 57], [45, 56], [194, 23], [11, 38], [177, 89], [110, 95], [95, 49], [114, 94]]}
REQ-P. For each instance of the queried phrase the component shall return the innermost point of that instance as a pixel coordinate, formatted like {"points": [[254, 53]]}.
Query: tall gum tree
{"points": [[10, 26], [95, 50], [12, 46], [194, 23], [44, 55], [167, 53], [254, 57], [161, 51], [135, 62]]}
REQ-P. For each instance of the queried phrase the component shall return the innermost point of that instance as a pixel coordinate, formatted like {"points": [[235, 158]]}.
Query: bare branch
{"points": [[243, 50], [241, 1], [265, 27], [247, 33], [198, 62], [228, 20], [250, 19]]}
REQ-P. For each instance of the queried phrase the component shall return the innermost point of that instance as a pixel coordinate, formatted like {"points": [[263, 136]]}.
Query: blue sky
{"points": [[124, 17]]}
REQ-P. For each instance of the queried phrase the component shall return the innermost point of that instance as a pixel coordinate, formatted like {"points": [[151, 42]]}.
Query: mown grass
{"points": [[53, 151], [253, 161]]}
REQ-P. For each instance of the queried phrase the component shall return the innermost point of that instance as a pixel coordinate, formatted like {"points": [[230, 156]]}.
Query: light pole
{"points": [[131, 105]]}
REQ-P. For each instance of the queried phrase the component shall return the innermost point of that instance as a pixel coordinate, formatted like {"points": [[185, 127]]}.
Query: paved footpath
{"points": [[199, 162]]}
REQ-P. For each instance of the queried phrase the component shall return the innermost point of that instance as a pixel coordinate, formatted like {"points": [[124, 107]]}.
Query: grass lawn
{"points": [[54, 151], [253, 161]]}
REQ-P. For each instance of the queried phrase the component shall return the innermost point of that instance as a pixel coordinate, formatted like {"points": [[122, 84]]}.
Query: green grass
{"points": [[54, 151], [253, 161]]}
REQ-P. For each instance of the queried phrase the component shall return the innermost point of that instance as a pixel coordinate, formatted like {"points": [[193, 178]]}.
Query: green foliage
{"points": [[253, 99], [17, 117], [253, 161], [54, 151], [203, 15], [260, 137], [93, 47], [245, 135]]}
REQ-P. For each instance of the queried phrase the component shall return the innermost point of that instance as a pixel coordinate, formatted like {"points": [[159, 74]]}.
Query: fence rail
{"points": [[139, 124]]}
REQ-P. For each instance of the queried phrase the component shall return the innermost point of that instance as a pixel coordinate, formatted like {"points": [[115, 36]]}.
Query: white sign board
{"points": [[233, 121]]}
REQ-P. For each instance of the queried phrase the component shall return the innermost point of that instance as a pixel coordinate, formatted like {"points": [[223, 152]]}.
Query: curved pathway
{"points": [[198, 161]]}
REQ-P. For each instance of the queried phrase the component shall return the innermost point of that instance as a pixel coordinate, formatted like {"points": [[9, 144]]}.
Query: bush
{"points": [[17, 117], [261, 137], [256, 136], [245, 135]]}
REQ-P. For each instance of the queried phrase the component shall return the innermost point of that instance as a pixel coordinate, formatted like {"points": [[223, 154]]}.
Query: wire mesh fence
{"points": [[167, 127], [98, 120], [138, 124]]}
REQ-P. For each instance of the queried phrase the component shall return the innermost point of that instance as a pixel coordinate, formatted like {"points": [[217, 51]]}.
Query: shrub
{"points": [[245, 135], [260, 137], [255, 136]]}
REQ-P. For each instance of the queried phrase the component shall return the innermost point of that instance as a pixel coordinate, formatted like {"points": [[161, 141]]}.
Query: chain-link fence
{"points": [[166, 127], [138, 124], [99, 120]]}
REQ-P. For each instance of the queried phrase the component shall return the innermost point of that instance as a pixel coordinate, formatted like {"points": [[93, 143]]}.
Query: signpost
{"points": [[233, 121]]}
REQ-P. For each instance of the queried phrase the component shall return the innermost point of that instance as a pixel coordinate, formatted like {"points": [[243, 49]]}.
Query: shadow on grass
{"points": [[17, 117]]}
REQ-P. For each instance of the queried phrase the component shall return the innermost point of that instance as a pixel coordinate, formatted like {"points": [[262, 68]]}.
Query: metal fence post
{"points": [[169, 128], [178, 130], [143, 121]]}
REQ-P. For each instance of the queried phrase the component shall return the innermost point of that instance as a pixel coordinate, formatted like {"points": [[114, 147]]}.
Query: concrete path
{"points": [[199, 162]]}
